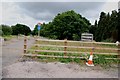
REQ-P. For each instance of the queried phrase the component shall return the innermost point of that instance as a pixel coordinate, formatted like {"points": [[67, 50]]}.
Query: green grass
{"points": [[98, 59], [78, 44], [104, 62], [8, 37], [62, 60], [74, 49]]}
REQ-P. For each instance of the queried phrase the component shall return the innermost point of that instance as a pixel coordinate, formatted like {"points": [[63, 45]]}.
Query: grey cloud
{"points": [[47, 10], [119, 4]]}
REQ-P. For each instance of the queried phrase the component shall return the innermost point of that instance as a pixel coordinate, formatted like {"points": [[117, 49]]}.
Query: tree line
{"points": [[71, 25], [107, 28], [14, 30]]}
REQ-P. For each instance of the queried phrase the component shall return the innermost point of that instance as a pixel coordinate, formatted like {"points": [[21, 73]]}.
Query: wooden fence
{"points": [[99, 48]]}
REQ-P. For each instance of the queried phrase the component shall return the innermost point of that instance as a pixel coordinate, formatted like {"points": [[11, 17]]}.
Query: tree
{"points": [[113, 25], [108, 27], [101, 27], [21, 29], [92, 29], [68, 25], [35, 31], [118, 25], [1, 30], [6, 30]]}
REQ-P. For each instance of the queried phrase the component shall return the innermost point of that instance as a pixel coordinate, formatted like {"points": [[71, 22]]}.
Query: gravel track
{"points": [[32, 69], [12, 50]]}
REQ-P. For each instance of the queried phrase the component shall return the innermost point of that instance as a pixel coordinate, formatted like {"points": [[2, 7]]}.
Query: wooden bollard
{"points": [[65, 48], [25, 45]]}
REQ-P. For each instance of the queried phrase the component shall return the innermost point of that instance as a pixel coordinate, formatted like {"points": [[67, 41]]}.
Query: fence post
{"points": [[118, 45], [25, 45], [118, 50], [36, 45], [65, 48]]}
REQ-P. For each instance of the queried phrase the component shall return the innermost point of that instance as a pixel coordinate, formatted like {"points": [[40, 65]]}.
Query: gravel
{"points": [[33, 69]]}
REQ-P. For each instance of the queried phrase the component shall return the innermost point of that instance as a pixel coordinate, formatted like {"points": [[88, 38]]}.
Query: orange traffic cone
{"points": [[90, 62]]}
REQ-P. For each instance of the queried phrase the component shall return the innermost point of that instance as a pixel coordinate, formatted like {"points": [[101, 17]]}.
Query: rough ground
{"points": [[32, 69], [12, 68]]}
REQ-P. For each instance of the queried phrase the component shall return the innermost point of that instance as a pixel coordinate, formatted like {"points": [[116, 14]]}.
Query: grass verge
{"points": [[98, 59]]}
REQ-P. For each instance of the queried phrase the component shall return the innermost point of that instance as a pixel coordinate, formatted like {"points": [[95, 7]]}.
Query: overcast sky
{"points": [[30, 13]]}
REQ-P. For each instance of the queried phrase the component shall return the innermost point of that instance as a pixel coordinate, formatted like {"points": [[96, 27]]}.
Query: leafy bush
{"points": [[6, 30], [1, 32], [68, 25], [21, 29], [104, 62], [108, 40], [76, 37]]}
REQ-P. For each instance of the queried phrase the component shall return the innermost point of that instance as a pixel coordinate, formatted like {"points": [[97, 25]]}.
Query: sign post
{"points": [[39, 26]]}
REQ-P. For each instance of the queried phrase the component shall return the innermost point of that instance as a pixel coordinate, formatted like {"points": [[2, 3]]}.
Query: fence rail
{"points": [[39, 45], [65, 46], [75, 41], [72, 52], [53, 56]]}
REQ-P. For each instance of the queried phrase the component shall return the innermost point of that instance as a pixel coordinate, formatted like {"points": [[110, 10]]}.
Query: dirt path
{"points": [[12, 50]]}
